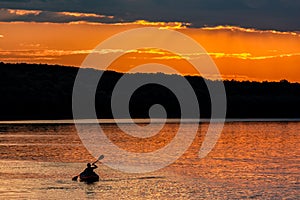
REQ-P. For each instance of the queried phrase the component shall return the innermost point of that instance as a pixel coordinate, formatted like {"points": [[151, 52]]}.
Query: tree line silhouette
{"points": [[40, 91]]}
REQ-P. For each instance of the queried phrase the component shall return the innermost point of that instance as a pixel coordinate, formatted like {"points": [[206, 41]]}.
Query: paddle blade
{"points": [[101, 157], [75, 178]]}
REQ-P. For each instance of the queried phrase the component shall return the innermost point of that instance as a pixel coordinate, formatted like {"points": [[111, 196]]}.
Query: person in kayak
{"points": [[89, 170], [88, 175]]}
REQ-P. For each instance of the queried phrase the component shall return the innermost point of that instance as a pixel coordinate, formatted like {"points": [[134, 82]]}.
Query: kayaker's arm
{"points": [[94, 166]]}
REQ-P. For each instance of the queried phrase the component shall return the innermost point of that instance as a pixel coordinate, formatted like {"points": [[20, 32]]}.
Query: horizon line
{"points": [[147, 120]]}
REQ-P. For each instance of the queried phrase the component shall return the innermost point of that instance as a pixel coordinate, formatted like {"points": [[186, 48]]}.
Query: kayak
{"points": [[89, 178], [88, 175]]}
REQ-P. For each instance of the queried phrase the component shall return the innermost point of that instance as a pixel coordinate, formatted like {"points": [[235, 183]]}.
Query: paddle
{"points": [[100, 158]]}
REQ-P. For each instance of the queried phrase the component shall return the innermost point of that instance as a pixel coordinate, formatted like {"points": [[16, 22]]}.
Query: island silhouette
{"points": [[41, 91]]}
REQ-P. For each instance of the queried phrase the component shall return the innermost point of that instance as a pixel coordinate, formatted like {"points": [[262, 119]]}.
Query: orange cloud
{"points": [[77, 14], [249, 56], [43, 53], [162, 25], [249, 30], [24, 12]]}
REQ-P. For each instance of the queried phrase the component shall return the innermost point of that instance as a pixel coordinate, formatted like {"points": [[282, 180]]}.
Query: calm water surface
{"points": [[252, 160]]}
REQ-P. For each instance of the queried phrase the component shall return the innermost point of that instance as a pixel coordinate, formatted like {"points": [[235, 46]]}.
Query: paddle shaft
{"points": [[95, 162], [100, 158]]}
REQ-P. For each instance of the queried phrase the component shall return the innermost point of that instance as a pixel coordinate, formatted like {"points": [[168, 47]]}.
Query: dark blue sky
{"points": [[260, 14]]}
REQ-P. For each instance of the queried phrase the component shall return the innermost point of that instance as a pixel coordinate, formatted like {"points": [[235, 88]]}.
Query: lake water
{"points": [[251, 160]]}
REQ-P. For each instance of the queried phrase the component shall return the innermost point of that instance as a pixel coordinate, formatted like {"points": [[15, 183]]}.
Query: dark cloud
{"points": [[261, 14], [7, 15], [9, 1]]}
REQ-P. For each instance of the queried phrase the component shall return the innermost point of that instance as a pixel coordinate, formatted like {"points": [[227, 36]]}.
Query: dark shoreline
{"points": [[39, 91]]}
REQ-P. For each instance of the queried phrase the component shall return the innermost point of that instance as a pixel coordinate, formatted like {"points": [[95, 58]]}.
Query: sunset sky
{"points": [[248, 39]]}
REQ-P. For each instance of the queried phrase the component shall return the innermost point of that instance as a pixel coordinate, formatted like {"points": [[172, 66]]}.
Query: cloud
{"points": [[77, 14], [38, 55], [249, 30], [8, 15], [166, 25], [259, 14], [158, 54], [24, 12], [13, 15], [30, 45], [161, 25], [249, 56]]}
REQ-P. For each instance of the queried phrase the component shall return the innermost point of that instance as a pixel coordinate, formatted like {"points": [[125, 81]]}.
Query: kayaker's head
{"points": [[88, 165]]}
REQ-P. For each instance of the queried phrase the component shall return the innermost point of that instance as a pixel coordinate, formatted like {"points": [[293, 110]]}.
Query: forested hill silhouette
{"points": [[38, 91]]}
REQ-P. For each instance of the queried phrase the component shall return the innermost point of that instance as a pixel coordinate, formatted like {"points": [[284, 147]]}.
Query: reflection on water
{"points": [[250, 161]]}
